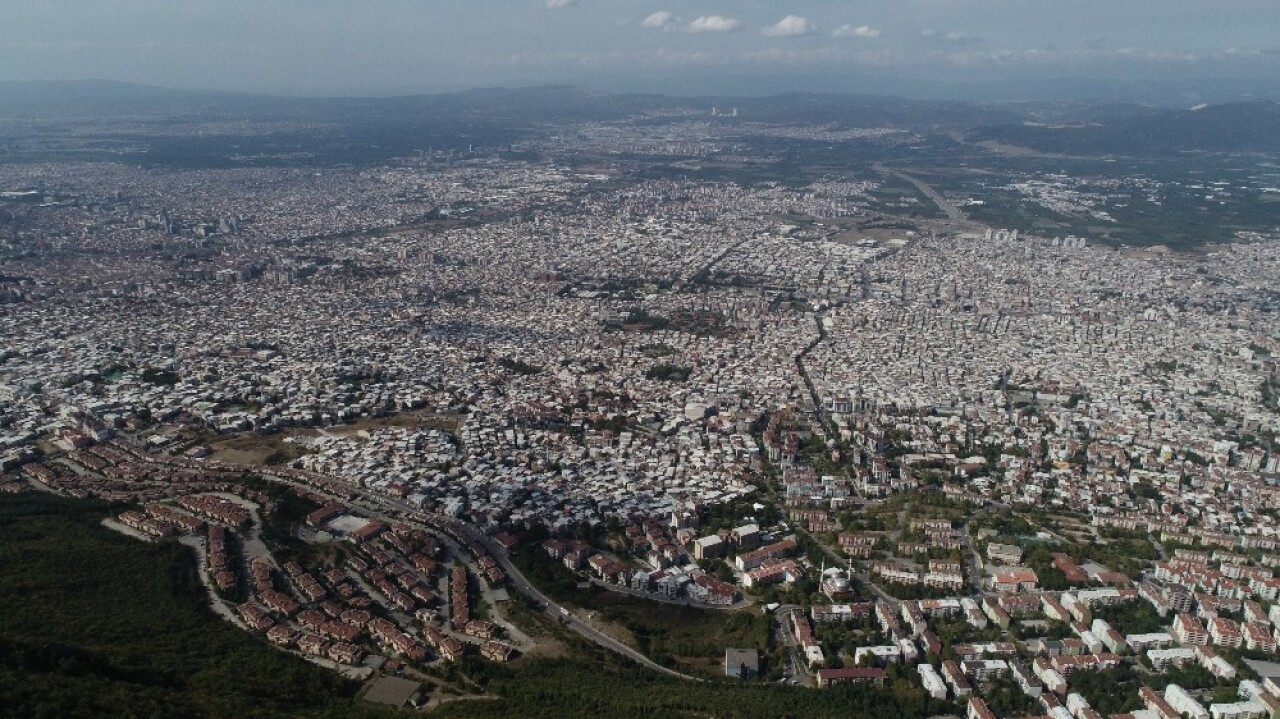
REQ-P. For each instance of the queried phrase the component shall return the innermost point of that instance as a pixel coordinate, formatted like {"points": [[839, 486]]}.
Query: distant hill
{"points": [[1231, 127], [1073, 128], [87, 97], [515, 106]]}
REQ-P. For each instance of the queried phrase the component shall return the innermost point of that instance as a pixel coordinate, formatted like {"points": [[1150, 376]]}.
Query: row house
{"points": [[344, 653], [894, 573], [497, 651], [855, 545], [850, 675], [773, 572], [1188, 630], [755, 558], [448, 647], [956, 679], [1162, 659], [609, 570], [1013, 580], [1216, 665], [1068, 665], [481, 629], [147, 525], [255, 616], [183, 521], [709, 590], [1258, 637], [940, 580], [947, 608], [279, 603], [1052, 678], [1224, 632]]}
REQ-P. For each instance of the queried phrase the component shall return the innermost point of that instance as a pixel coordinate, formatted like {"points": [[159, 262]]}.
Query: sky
{"points": [[379, 47]]}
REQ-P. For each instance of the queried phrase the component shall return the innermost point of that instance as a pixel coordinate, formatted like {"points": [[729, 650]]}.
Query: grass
{"points": [[572, 688], [687, 638]]}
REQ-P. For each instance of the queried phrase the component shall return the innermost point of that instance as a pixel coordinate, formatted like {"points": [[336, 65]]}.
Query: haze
{"points": [[920, 47]]}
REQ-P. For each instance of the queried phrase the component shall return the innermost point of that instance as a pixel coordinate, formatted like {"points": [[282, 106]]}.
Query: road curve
{"points": [[565, 617], [516, 579]]}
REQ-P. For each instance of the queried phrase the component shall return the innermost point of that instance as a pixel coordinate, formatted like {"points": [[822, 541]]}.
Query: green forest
{"points": [[95, 624], [569, 689]]}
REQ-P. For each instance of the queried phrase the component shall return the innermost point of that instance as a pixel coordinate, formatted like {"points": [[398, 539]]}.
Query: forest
{"points": [[93, 624]]}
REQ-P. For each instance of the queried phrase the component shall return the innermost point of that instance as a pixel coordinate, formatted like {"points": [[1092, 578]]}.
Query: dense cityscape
{"points": [[502, 404]]}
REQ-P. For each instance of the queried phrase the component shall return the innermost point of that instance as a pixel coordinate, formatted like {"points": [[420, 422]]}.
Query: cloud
{"points": [[789, 26], [953, 37], [558, 4], [713, 23], [961, 38], [661, 20], [859, 31]]}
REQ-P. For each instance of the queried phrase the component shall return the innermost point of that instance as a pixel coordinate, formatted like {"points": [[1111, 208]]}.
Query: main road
{"points": [[391, 509], [953, 212]]}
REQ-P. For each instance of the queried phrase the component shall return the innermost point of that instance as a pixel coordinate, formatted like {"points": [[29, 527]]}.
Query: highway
{"points": [[953, 212], [564, 616], [391, 509]]}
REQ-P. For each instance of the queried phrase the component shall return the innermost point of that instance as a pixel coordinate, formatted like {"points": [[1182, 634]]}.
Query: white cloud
{"points": [[713, 23], [789, 26], [859, 31], [954, 37], [557, 4], [661, 20], [961, 38]]}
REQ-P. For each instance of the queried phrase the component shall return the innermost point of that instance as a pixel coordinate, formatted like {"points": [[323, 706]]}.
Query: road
{"points": [[391, 509], [971, 562], [818, 407], [564, 616], [841, 561], [218, 606], [796, 656], [953, 212]]}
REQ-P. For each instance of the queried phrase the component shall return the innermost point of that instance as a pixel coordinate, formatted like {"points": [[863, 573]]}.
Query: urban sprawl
{"points": [[1002, 459]]}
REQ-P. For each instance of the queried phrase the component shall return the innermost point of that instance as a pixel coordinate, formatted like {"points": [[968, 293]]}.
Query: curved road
{"points": [[384, 506], [564, 616]]}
